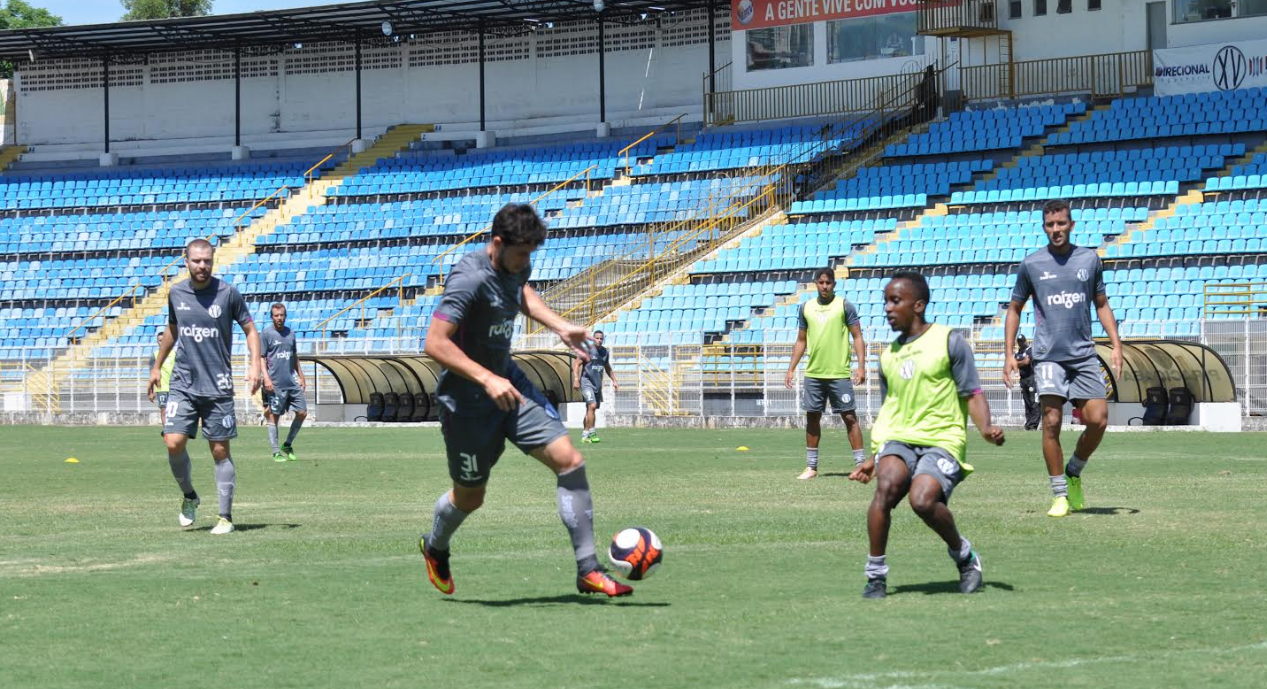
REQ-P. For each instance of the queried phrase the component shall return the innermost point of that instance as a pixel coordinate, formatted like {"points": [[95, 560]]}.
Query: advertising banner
{"points": [[760, 14], [1212, 67]]}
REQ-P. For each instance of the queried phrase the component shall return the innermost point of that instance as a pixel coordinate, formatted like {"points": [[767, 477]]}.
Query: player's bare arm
{"points": [[798, 351], [610, 374], [859, 353], [441, 347], [1010, 327], [299, 370], [979, 411], [576, 374], [256, 361], [574, 336], [1105, 313]]}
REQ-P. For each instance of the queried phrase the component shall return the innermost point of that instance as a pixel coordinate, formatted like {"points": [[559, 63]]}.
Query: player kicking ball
{"points": [[929, 386], [486, 400]]}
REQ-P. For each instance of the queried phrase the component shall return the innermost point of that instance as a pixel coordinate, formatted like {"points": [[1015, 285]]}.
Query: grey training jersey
{"points": [[280, 353], [963, 366], [203, 321], [483, 303], [592, 371], [1064, 290]]}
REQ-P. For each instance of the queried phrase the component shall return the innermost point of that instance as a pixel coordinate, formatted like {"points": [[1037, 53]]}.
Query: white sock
{"points": [[859, 456]]}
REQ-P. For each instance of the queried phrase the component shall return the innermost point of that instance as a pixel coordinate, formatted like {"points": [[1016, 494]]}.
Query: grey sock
{"points": [[272, 437], [965, 551], [181, 471], [811, 457], [294, 430], [576, 509], [876, 567], [226, 481], [1075, 466], [1059, 486], [859, 456], [447, 519]]}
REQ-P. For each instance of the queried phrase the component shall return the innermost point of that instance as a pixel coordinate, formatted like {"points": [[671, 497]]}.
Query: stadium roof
{"points": [[341, 22]]}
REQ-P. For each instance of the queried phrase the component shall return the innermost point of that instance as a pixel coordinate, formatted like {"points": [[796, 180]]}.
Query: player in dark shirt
{"points": [[284, 382], [486, 400], [1065, 281], [200, 316]]}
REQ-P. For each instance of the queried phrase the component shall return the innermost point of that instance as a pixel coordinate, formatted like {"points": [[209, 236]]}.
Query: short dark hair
{"points": [[519, 225], [598, 332], [199, 244], [824, 271], [917, 281], [276, 305], [1055, 206]]}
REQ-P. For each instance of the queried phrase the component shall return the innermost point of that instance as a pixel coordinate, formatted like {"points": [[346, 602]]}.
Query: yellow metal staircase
{"points": [[9, 155], [236, 248]]}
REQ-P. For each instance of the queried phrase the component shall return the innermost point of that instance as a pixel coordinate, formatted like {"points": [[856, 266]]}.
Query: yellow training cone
{"points": [[72, 460], [742, 448]]}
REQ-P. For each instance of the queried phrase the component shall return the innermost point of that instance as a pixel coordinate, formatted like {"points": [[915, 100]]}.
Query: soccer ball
{"points": [[635, 553]]}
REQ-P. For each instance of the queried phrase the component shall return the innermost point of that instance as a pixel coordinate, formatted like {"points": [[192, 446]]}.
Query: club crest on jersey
{"points": [[947, 466], [907, 371], [214, 311], [1082, 274]]}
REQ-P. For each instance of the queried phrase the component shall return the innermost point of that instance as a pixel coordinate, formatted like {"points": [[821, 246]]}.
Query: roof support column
{"points": [[712, 48], [237, 95], [483, 121], [106, 159], [105, 85], [358, 85], [603, 128]]}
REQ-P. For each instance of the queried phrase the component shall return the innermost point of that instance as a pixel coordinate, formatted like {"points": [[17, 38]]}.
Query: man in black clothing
{"points": [[1029, 391]]}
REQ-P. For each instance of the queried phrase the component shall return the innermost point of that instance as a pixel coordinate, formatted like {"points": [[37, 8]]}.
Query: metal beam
{"points": [[482, 120], [237, 96], [712, 48], [105, 84], [602, 74], [358, 84]]}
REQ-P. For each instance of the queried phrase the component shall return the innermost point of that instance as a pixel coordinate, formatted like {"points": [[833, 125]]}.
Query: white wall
{"points": [[313, 89], [1217, 31], [1121, 25]]}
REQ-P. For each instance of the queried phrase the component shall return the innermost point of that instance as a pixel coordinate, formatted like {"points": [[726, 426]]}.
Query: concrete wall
{"points": [[550, 73]]}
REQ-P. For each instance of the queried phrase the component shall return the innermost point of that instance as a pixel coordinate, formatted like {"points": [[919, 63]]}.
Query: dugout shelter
{"points": [[365, 379]]}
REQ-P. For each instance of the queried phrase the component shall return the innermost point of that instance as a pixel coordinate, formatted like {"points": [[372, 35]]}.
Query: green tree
{"points": [[17, 14], [164, 9]]}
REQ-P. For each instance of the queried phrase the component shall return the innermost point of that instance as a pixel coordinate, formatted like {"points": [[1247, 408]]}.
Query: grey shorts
{"points": [[1070, 380], [817, 391], [184, 412], [281, 401], [474, 443], [933, 461], [592, 395], [160, 398]]}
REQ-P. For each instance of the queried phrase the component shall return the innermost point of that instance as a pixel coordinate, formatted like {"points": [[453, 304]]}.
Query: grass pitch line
{"points": [[875, 680]]}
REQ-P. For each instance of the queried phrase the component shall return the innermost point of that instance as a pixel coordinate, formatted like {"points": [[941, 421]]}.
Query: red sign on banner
{"points": [[759, 14]]}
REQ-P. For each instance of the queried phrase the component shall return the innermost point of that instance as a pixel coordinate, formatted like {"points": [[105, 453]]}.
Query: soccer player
{"points": [[486, 400], [591, 383], [200, 316], [284, 383], [164, 383], [1064, 281], [930, 386], [824, 322]]}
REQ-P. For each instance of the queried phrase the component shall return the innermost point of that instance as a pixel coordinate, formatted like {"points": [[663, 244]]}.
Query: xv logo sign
{"points": [[1229, 68]]}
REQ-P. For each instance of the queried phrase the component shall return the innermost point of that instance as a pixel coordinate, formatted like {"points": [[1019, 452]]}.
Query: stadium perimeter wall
{"points": [[552, 72]]}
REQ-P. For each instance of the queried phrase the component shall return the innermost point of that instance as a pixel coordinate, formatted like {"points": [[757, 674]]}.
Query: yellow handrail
{"points": [[131, 291], [237, 226], [309, 171], [625, 151], [533, 202], [400, 296]]}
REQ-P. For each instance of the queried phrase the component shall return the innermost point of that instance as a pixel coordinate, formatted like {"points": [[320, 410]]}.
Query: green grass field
{"points": [[1159, 585]]}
